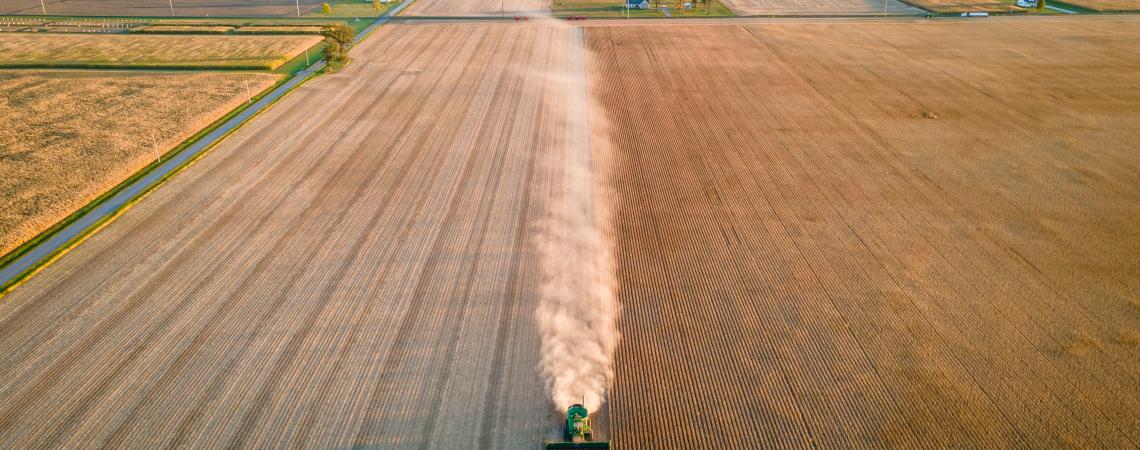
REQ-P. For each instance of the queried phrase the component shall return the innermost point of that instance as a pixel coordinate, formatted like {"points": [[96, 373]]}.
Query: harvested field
{"points": [[876, 234], [125, 51], [161, 8], [476, 7], [354, 268], [68, 136], [280, 30], [828, 234], [189, 29], [1107, 5], [819, 7]]}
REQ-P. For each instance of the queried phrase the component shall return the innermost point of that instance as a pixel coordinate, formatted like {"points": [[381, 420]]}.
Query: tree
{"points": [[325, 8], [376, 4], [337, 39], [1040, 5], [339, 32]]}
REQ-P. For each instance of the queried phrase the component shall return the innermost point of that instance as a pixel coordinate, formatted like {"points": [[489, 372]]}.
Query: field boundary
{"points": [[39, 252]]}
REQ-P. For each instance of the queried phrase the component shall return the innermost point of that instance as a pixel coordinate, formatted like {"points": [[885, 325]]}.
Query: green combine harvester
{"points": [[578, 434]]}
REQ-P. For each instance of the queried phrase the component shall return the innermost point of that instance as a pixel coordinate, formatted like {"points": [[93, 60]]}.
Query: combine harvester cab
{"points": [[578, 434]]}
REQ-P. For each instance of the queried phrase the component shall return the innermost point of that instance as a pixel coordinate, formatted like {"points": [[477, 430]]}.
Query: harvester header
{"points": [[579, 434]]}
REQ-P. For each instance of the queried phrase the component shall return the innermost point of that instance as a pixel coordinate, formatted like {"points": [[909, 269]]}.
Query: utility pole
{"points": [[248, 97], [154, 145], [298, 8], [43, 7], [171, 7]]}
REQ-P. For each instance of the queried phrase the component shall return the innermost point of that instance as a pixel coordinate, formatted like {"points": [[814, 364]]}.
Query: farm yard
{"points": [[846, 237], [820, 7], [715, 233], [160, 8], [151, 51], [68, 136]]}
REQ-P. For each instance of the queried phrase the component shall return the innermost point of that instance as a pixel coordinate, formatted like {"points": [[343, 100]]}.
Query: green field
{"points": [[347, 9]]}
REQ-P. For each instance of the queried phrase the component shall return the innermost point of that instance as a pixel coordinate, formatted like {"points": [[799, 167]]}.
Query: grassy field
{"points": [[68, 136], [875, 234], [594, 8], [151, 51], [343, 9]]}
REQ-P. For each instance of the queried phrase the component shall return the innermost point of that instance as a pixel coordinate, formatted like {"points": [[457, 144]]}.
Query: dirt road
{"points": [[352, 268]]}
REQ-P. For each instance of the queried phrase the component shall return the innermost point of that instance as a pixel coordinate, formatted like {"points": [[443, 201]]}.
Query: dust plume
{"points": [[578, 310]]}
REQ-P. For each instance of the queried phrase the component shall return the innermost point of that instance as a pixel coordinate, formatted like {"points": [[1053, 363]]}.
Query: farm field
{"points": [[1108, 5], [875, 234], [151, 51], [953, 6], [355, 267], [826, 234], [476, 7], [610, 9], [820, 7], [68, 136], [161, 8]]}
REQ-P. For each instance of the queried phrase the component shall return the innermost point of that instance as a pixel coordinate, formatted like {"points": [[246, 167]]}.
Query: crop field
{"points": [[877, 234], [355, 267], [280, 29], [161, 8], [824, 234], [67, 136], [819, 7], [151, 51], [476, 7], [188, 29]]}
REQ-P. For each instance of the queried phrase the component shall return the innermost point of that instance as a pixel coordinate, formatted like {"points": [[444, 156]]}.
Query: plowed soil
{"points": [[846, 235]]}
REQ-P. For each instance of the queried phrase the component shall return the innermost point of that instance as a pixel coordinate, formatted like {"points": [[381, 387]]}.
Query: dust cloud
{"points": [[578, 310]]}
